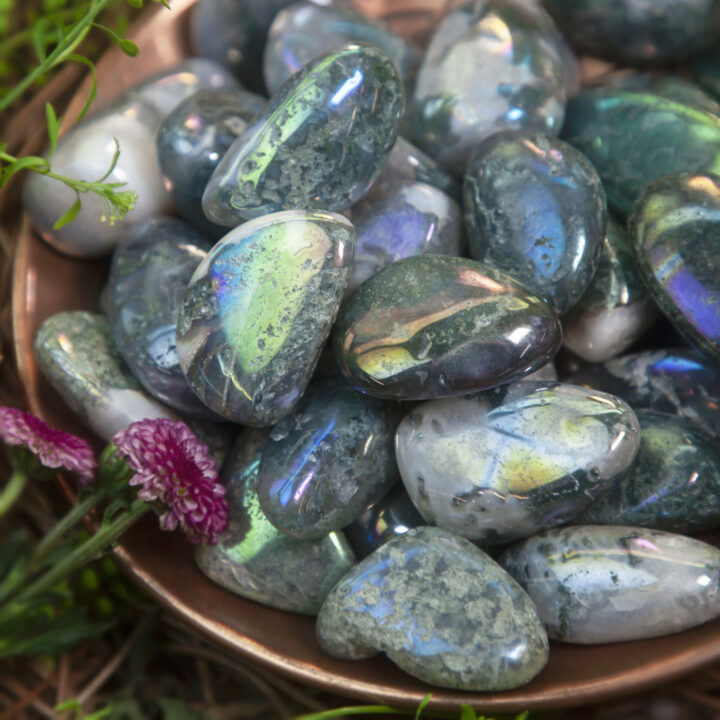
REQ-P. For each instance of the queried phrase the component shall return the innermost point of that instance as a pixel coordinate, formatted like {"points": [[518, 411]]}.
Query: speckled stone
{"points": [[258, 310], [672, 87], [435, 326], [193, 139], [673, 484], [328, 461], [305, 30], [637, 31], [401, 219], [150, 271], [441, 610], [675, 231], [616, 309], [256, 561], [607, 584], [320, 143], [535, 209], [491, 65], [503, 464], [626, 134]]}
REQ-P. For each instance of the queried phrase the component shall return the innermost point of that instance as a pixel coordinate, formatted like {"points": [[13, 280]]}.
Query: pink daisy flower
{"points": [[174, 469], [53, 448]]}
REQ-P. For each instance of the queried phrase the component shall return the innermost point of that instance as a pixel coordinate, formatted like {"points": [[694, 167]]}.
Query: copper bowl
{"points": [[46, 282]]}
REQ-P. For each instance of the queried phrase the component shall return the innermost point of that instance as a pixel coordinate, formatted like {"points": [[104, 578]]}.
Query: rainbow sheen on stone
{"points": [[258, 310], [320, 143]]}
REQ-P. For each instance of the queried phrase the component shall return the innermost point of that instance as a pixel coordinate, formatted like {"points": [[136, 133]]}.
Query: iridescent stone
{"points": [[504, 464], [440, 609], [400, 219], [672, 87], [673, 484], [615, 310], [637, 31], [435, 326], [626, 135], [193, 139], [256, 561], [305, 30], [258, 310], [675, 231], [320, 143], [491, 65], [535, 208], [86, 152], [546, 372], [150, 271], [393, 515], [328, 461], [607, 584]]}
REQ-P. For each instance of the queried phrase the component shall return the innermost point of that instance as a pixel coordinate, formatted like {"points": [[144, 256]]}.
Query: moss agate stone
{"points": [[193, 138], [440, 609], [673, 484], [256, 561], [535, 209], [615, 310], [328, 461], [320, 143], [675, 231], [605, 584], [436, 326], [635, 137], [503, 464], [305, 30], [492, 65], [258, 310]]}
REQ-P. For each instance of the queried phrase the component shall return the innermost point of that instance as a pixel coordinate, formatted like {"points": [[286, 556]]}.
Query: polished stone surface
{"points": [[675, 231], [256, 561], [307, 29], [258, 310], [150, 271], [672, 87], [320, 143], [435, 326], [627, 135], [396, 220], [327, 461], [535, 209], [491, 65], [441, 610], [503, 464], [193, 139], [604, 584], [673, 484], [616, 309]]}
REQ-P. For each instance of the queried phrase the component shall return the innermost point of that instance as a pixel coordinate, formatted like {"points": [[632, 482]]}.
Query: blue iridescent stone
{"points": [[320, 143]]}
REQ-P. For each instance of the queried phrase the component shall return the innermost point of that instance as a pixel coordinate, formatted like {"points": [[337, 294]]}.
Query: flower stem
{"points": [[354, 710], [12, 490]]}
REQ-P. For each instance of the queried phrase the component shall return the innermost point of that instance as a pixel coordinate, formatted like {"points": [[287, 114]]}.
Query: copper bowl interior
{"points": [[46, 282]]}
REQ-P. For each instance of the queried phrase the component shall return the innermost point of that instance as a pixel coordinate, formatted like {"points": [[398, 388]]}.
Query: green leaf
{"points": [[53, 127], [467, 713], [137, 4], [67, 53], [31, 162], [423, 705], [129, 47], [68, 216], [175, 709], [113, 509], [37, 38], [93, 85], [113, 165]]}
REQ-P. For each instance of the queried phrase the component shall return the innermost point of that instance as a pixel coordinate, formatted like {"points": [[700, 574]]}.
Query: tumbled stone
{"points": [[150, 271], [673, 484], [626, 135], [491, 65], [604, 584], [193, 139], [401, 219], [637, 31], [615, 310], [320, 143], [546, 372], [256, 561], [305, 30], [672, 87], [328, 461], [506, 463], [675, 231], [441, 610], [535, 209], [258, 310], [435, 326], [706, 71]]}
